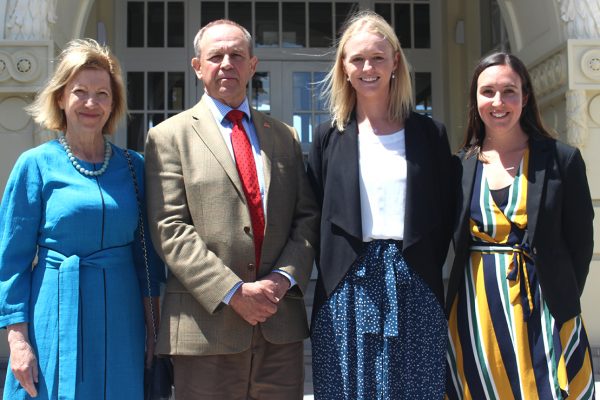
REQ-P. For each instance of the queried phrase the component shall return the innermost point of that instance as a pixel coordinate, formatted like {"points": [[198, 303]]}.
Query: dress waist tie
{"points": [[69, 308], [522, 273]]}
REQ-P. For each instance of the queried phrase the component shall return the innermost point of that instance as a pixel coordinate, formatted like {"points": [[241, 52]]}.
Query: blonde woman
{"points": [[75, 320], [382, 176]]}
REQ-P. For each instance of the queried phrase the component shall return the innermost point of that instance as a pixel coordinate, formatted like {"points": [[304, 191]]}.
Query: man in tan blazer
{"points": [[234, 329]]}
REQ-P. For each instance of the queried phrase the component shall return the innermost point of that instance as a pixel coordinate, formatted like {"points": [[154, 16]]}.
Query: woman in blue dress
{"points": [[75, 317], [382, 175]]}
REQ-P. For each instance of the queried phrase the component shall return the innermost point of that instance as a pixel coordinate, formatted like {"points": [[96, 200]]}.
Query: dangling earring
{"points": [[348, 78], [393, 75]]}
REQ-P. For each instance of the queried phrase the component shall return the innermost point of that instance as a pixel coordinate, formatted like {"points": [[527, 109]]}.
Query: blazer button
{"points": [[247, 229], [250, 267], [535, 251]]}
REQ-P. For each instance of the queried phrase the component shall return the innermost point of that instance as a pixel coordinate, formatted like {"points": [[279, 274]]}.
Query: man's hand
{"points": [[257, 301], [277, 284], [253, 302]]}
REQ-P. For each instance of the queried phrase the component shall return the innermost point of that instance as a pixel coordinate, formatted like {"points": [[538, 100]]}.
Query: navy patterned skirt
{"points": [[382, 333]]}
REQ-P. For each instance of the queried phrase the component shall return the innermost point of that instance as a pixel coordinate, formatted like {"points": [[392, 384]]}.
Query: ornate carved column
{"points": [[565, 81], [26, 53]]}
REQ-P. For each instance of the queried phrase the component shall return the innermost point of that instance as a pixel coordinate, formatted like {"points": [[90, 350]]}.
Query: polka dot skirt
{"points": [[381, 334]]}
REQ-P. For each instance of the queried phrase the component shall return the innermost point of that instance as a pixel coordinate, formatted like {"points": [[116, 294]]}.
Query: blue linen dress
{"points": [[83, 299]]}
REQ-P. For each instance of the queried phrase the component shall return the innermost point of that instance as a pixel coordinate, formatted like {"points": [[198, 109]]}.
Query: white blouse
{"points": [[382, 179]]}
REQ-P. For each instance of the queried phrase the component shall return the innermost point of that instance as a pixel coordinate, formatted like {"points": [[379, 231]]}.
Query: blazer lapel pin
{"points": [[266, 125]]}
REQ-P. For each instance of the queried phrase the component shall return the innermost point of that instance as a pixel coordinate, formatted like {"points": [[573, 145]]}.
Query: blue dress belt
{"points": [[68, 305]]}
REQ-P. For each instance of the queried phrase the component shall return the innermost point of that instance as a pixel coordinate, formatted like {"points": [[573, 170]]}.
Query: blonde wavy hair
{"points": [[339, 94], [79, 54]]}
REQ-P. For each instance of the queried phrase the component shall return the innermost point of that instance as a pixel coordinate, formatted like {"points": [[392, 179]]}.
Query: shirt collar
{"points": [[220, 110]]}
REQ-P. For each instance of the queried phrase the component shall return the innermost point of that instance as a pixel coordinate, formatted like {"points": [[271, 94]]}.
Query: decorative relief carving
{"points": [[594, 109], [15, 117], [577, 117], [550, 75], [581, 18], [30, 19], [21, 66], [590, 64]]}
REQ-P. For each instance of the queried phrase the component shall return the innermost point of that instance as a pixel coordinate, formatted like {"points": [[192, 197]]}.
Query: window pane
{"points": [[319, 19], [155, 119], [176, 23], [156, 90], [321, 118], [241, 12], [402, 24], [135, 29], [423, 93], [211, 11], [385, 10], [135, 90], [261, 92], [156, 24], [318, 91], [301, 91], [342, 11], [422, 31], [301, 122], [294, 24], [135, 132], [176, 90], [267, 25]]}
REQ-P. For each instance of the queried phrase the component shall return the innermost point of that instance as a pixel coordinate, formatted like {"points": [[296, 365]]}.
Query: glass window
{"points": [[402, 24], [260, 97], [342, 11], [293, 19], [135, 30], [423, 93], [320, 19], [385, 10], [155, 119], [422, 32], [302, 123], [241, 12], [301, 91], [176, 90], [135, 90], [156, 91], [318, 83], [211, 11], [267, 24], [308, 105], [156, 24], [136, 132], [175, 24]]}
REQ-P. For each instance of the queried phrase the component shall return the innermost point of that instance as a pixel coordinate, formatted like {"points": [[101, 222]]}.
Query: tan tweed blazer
{"points": [[200, 226]]}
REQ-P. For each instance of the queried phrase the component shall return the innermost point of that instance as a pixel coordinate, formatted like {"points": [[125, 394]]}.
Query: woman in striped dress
{"points": [[523, 247]]}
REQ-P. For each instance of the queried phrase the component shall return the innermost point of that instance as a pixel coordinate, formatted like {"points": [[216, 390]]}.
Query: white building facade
{"points": [[559, 40]]}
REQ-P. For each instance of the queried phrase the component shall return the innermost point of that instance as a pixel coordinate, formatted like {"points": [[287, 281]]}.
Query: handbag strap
{"points": [[142, 238]]}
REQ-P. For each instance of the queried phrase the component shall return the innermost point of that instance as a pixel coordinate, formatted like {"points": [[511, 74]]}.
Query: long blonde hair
{"points": [[339, 94], [79, 54]]}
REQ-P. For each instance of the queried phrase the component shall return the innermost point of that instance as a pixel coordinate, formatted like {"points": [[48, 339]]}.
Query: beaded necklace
{"points": [[107, 153]]}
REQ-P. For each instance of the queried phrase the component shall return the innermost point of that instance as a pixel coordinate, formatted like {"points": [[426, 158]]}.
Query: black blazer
{"points": [[334, 174], [559, 224]]}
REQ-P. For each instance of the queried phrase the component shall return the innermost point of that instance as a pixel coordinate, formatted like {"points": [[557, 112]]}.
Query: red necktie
{"points": [[244, 161]]}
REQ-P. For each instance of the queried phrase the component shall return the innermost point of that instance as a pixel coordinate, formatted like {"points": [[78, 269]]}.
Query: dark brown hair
{"points": [[530, 121]]}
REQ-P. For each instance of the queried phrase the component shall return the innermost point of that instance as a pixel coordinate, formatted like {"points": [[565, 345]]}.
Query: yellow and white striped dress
{"points": [[504, 343]]}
